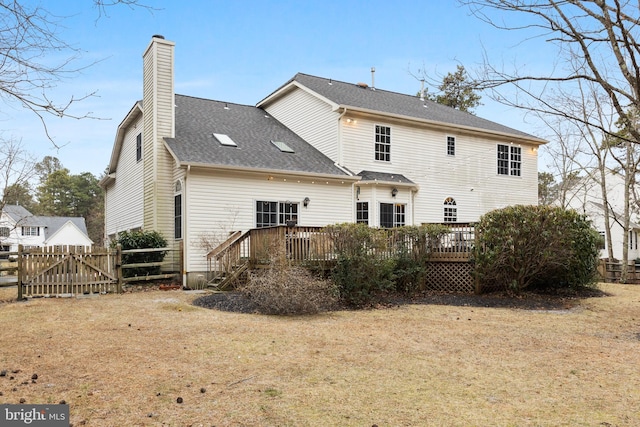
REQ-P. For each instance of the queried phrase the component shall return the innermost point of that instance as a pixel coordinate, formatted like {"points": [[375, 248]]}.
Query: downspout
{"points": [[412, 200], [185, 247]]}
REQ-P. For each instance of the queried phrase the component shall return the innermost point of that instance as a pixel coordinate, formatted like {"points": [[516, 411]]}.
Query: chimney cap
{"points": [[157, 36]]}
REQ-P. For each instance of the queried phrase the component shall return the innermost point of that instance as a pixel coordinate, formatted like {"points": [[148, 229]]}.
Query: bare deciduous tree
{"points": [[16, 169], [29, 42], [591, 91], [597, 42]]}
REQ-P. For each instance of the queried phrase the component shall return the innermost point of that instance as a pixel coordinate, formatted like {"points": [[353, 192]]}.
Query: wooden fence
{"points": [[73, 270], [612, 271]]}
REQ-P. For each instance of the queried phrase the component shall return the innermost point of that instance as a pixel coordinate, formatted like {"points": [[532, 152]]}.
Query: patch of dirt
{"points": [[558, 300], [227, 301]]}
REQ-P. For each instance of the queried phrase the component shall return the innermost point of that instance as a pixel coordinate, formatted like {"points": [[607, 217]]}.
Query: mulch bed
{"points": [[559, 300]]}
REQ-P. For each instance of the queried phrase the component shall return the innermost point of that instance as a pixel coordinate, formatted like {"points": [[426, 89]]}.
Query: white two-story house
{"points": [[19, 227], [316, 151]]}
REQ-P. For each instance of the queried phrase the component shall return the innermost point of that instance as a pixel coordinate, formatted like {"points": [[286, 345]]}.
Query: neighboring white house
{"points": [[586, 197], [19, 227], [316, 151]]}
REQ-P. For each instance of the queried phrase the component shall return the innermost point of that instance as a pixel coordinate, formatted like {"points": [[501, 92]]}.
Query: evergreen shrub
{"points": [[141, 240], [520, 247]]}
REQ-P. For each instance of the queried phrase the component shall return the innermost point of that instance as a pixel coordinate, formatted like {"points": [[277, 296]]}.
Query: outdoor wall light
{"points": [[394, 192], [306, 201]]}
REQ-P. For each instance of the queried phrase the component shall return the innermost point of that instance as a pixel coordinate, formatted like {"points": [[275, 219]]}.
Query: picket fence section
{"points": [[68, 270]]}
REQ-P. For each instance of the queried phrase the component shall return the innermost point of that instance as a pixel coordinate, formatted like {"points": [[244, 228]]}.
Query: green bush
{"points": [[141, 240], [522, 247], [363, 270]]}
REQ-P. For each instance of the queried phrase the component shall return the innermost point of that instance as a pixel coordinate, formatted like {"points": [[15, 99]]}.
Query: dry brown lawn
{"points": [[124, 360]]}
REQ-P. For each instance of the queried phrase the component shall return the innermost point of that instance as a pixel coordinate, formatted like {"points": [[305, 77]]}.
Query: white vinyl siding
{"points": [[418, 154], [123, 200], [310, 118], [221, 202]]}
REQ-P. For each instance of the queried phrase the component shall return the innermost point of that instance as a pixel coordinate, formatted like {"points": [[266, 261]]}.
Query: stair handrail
{"points": [[224, 246]]}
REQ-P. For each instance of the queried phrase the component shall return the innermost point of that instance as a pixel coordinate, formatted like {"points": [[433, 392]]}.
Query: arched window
{"points": [[450, 210]]}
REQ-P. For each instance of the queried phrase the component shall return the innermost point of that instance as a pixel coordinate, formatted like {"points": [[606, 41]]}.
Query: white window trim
{"points": [[454, 145], [375, 143], [510, 169]]}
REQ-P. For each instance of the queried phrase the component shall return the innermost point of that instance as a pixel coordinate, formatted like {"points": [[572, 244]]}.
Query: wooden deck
{"points": [[315, 246]]}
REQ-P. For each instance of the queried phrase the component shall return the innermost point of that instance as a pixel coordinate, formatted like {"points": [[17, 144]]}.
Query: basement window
{"points": [[282, 146], [225, 140]]}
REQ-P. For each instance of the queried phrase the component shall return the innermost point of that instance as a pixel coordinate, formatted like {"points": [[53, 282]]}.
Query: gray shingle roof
{"points": [[18, 213], [397, 104], [384, 177], [251, 128], [23, 217], [54, 223]]}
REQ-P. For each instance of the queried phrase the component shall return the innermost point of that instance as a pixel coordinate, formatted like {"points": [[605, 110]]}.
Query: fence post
{"points": [[119, 267], [20, 275]]}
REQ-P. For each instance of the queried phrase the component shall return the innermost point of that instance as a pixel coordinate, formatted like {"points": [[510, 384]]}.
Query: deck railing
{"points": [[258, 246]]}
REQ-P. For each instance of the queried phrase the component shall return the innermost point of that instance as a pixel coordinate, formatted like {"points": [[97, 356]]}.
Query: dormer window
{"points": [[225, 140]]}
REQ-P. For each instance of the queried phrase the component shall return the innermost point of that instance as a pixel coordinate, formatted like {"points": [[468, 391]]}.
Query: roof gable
{"points": [[366, 99], [58, 224]]}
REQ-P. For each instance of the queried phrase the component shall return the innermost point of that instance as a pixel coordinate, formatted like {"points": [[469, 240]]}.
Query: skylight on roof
{"points": [[225, 140], [282, 146]]}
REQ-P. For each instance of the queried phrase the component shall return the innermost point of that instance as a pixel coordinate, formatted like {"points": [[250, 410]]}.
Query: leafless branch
{"points": [[596, 40], [29, 39]]}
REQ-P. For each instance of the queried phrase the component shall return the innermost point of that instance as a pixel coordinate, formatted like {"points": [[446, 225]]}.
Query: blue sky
{"points": [[241, 51]]}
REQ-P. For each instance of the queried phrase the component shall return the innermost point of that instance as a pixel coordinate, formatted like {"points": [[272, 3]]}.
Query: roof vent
{"points": [[363, 85], [373, 78]]}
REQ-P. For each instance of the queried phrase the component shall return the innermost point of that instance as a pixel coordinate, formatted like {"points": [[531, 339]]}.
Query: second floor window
{"points": [[383, 143], [509, 160], [451, 146], [5, 231], [30, 231]]}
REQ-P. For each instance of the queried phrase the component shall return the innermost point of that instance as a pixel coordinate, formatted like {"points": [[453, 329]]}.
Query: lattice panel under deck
{"points": [[450, 277]]}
